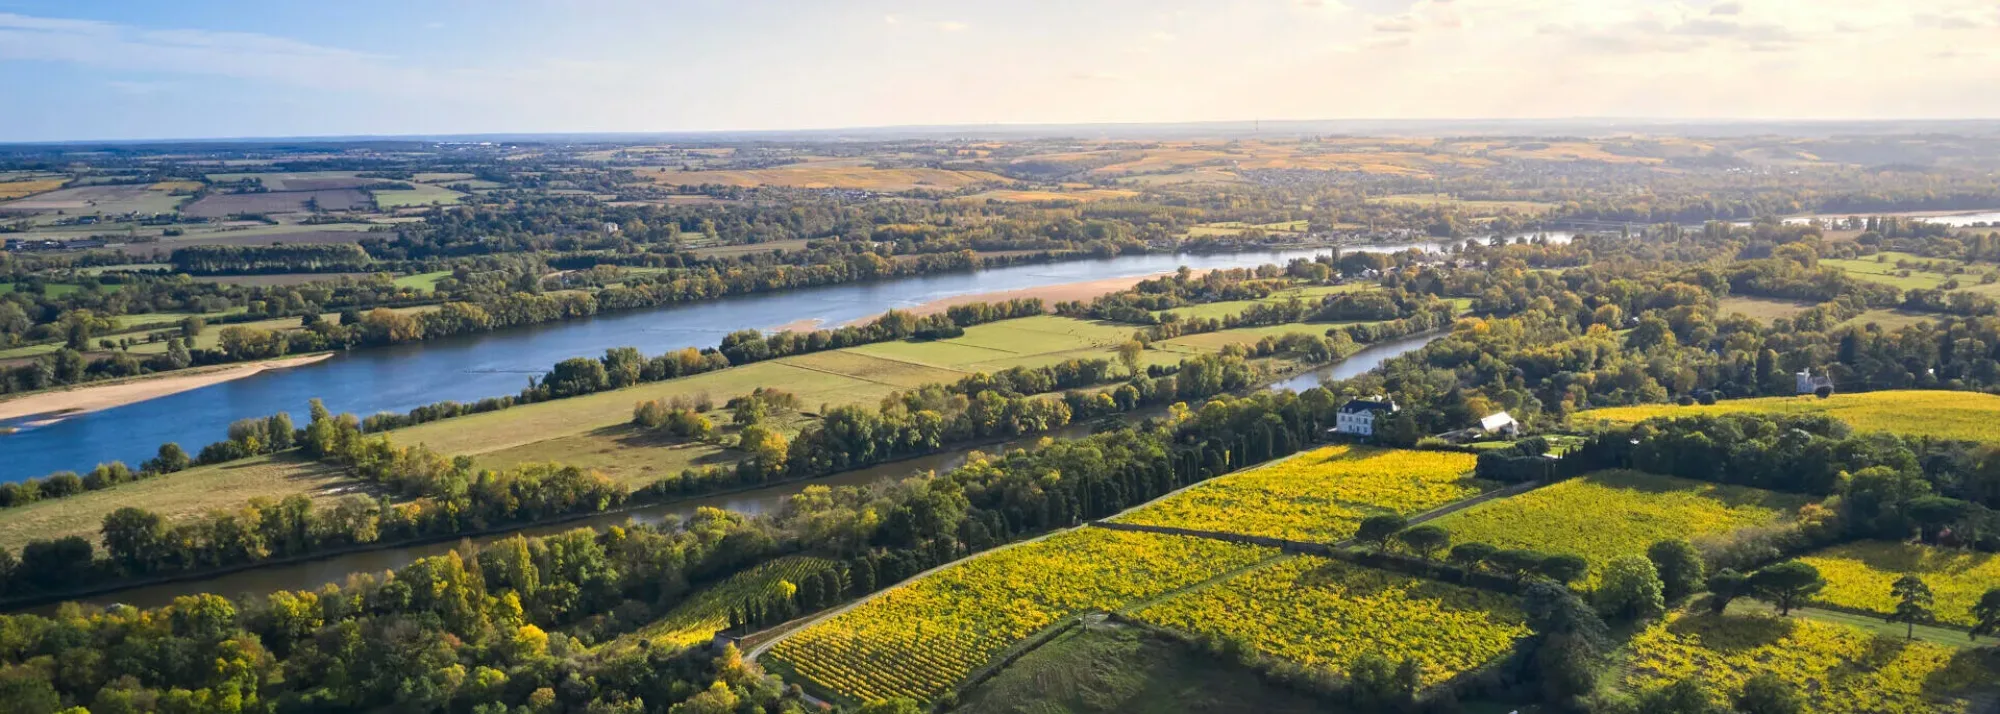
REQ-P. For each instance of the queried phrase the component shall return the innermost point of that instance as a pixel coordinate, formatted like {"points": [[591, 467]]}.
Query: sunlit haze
{"points": [[213, 69]]}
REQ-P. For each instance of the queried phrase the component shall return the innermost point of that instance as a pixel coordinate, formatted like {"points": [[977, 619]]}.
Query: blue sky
{"points": [[205, 68]]}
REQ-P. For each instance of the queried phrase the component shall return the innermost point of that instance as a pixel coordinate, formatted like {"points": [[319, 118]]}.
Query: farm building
{"points": [[1357, 416], [1500, 424], [1809, 383]]}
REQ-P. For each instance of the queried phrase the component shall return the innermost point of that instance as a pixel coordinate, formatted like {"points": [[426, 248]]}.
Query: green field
{"points": [[1760, 309], [174, 496], [419, 195], [1967, 416], [1609, 514], [49, 289], [744, 248], [1213, 341], [1219, 310], [1887, 272], [1025, 342], [1112, 669], [423, 281], [1890, 319], [1233, 228]]}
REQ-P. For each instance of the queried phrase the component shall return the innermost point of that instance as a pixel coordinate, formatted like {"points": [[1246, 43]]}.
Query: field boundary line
{"points": [[913, 363], [1137, 605], [842, 374]]}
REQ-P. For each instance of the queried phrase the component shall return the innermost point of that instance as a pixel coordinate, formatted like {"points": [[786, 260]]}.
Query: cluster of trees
{"points": [[746, 346], [506, 628], [279, 258], [1880, 485], [672, 417]]}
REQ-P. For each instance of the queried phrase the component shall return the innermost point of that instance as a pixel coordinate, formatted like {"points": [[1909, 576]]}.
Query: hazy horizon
{"points": [[209, 70]]}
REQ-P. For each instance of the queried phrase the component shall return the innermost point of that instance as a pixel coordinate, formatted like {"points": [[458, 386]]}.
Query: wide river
{"points": [[398, 378], [310, 575]]}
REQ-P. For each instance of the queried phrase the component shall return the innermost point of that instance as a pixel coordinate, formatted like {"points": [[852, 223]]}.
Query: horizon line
{"points": [[1004, 127]]}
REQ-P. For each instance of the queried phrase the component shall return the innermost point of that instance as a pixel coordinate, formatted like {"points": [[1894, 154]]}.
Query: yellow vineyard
{"points": [[920, 639], [1836, 669], [1859, 575], [1324, 613], [1611, 513], [1321, 495], [1968, 416]]}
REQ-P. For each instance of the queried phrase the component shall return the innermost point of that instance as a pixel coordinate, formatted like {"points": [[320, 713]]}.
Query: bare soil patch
{"points": [[346, 199]]}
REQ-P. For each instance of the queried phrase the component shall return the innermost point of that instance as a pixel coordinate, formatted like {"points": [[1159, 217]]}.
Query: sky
{"points": [[84, 70]]}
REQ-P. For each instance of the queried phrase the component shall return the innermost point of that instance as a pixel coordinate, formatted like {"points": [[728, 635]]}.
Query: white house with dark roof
{"points": [[1809, 383], [1500, 424], [1357, 416]]}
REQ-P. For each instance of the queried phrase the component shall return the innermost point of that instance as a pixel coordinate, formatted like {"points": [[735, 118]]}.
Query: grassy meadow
{"points": [[175, 496], [1913, 273], [1967, 416], [1760, 309], [1219, 310], [418, 195], [1108, 668]]}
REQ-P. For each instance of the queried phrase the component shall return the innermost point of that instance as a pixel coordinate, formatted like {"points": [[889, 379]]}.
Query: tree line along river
{"points": [[311, 574], [465, 369]]}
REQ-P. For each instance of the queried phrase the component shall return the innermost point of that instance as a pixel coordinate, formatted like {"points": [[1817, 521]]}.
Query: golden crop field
{"points": [[1323, 613], [1321, 495], [1967, 416], [1859, 575], [1079, 195], [1475, 207], [17, 189], [1836, 669], [1608, 514], [1570, 151], [921, 638], [832, 175], [698, 618]]}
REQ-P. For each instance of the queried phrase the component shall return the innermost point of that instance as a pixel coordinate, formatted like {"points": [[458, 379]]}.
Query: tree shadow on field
{"points": [[1973, 673], [1733, 633]]}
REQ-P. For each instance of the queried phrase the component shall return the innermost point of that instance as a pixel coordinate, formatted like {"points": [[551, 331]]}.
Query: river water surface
{"points": [[399, 378]]}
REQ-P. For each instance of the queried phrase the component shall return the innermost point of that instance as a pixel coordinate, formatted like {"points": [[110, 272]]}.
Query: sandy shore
{"points": [[1050, 295], [806, 325], [57, 405]]}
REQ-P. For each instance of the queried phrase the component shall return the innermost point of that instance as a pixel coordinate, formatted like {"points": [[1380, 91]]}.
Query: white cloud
{"points": [[953, 26]]}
